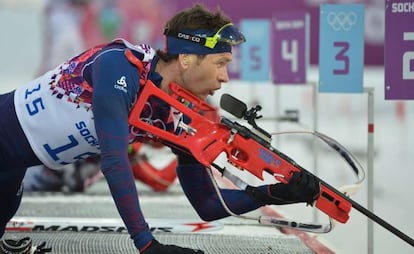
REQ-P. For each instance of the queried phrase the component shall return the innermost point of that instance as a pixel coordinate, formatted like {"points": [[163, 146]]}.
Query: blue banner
{"points": [[255, 61], [341, 48]]}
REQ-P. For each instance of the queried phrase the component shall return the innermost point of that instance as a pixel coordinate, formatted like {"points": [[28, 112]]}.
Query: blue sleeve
{"points": [[115, 84], [199, 189]]}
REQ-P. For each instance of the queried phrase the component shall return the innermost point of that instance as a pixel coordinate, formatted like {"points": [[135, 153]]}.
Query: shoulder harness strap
{"points": [[137, 62]]}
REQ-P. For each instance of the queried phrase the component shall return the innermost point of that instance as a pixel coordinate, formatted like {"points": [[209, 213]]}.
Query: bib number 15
{"points": [[35, 105]]}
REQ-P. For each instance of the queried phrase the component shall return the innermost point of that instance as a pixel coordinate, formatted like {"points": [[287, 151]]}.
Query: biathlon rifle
{"points": [[246, 149]]}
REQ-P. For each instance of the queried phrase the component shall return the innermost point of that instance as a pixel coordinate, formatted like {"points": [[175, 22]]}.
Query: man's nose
{"points": [[224, 75]]}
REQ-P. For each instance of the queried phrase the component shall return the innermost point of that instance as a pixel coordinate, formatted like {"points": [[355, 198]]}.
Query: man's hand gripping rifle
{"points": [[246, 149]]}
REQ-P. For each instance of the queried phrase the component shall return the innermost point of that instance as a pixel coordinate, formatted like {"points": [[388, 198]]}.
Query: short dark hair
{"points": [[196, 17]]}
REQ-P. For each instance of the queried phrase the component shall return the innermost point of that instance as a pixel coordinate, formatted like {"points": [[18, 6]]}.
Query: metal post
{"points": [[370, 166], [315, 128], [277, 127]]}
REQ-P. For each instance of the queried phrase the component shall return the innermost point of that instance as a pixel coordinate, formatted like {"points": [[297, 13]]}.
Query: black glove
{"points": [[158, 248], [302, 187], [22, 246]]}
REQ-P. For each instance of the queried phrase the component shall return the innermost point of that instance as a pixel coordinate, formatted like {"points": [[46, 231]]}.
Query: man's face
{"points": [[204, 75]]}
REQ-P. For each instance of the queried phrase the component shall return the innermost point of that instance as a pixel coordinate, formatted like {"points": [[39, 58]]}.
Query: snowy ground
{"points": [[343, 117]]}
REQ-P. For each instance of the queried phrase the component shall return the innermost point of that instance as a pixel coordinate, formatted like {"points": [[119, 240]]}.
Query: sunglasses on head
{"points": [[226, 34]]}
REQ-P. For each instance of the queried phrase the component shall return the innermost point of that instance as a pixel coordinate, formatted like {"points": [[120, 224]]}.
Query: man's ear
{"points": [[184, 60]]}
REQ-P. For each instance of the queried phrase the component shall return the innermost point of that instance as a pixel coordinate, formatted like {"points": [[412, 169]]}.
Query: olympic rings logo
{"points": [[341, 20]]}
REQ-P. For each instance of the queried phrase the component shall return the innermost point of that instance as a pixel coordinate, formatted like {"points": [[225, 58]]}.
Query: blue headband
{"points": [[175, 46]]}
